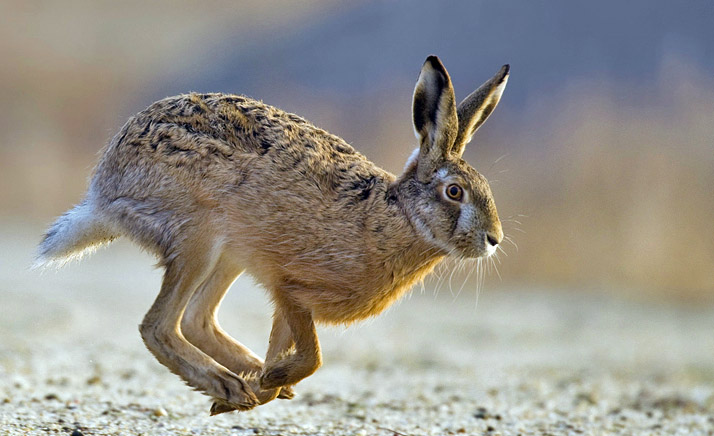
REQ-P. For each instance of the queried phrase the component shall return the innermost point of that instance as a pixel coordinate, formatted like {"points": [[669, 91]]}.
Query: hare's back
{"points": [[218, 143]]}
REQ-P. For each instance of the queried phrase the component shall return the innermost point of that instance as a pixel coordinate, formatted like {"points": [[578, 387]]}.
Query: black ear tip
{"points": [[505, 70], [434, 62]]}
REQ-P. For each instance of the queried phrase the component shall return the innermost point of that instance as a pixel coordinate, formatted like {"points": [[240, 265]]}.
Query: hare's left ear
{"points": [[475, 108], [434, 116]]}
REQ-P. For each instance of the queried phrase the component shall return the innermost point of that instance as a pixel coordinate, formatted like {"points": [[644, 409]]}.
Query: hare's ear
{"points": [[475, 108], [434, 115]]}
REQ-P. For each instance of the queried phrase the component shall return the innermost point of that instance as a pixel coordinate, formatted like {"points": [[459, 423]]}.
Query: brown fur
{"points": [[217, 184]]}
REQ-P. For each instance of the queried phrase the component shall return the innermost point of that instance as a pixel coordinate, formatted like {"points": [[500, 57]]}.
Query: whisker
{"points": [[510, 220], [451, 276], [495, 256], [496, 268], [479, 281], [511, 241], [463, 283], [497, 161]]}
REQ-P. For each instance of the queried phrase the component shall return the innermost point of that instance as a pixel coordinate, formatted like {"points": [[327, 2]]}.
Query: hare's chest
{"points": [[351, 301]]}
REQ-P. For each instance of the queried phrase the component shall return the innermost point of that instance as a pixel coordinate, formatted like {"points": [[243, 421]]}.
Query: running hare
{"points": [[218, 184]]}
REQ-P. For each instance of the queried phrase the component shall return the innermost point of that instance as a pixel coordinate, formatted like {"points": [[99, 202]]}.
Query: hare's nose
{"points": [[494, 236], [492, 239]]}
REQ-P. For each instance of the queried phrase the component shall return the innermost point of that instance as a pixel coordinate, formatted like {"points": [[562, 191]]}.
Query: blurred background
{"points": [[600, 155]]}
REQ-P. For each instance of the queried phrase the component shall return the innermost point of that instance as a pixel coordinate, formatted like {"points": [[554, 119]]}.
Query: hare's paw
{"points": [[289, 370], [262, 395], [274, 377], [219, 407], [231, 392], [286, 393]]}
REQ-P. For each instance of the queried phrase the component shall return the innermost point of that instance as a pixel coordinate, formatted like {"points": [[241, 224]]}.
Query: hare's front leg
{"points": [[161, 332], [281, 344], [307, 358]]}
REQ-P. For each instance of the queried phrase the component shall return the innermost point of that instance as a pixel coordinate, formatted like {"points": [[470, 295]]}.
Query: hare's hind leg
{"points": [[200, 326], [161, 332], [307, 358]]}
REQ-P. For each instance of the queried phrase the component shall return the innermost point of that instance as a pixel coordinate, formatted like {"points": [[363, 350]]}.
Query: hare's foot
{"points": [[286, 393], [274, 377], [230, 390], [267, 395], [262, 396], [222, 406], [219, 407], [288, 371]]}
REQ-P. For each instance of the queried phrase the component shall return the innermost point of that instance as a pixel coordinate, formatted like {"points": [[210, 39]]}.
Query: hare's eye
{"points": [[454, 192]]}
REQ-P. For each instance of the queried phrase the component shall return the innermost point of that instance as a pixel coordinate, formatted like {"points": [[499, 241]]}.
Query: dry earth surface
{"points": [[529, 362]]}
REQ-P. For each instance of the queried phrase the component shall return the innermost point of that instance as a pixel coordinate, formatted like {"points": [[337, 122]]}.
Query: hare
{"points": [[215, 185]]}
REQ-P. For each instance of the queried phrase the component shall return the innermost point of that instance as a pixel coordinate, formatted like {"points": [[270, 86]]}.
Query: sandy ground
{"points": [[519, 362]]}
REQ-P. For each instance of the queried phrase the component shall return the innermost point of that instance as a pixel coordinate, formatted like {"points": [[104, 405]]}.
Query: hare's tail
{"points": [[76, 233]]}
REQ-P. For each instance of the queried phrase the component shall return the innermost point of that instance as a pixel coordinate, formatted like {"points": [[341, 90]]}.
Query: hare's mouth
{"points": [[490, 245], [478, 251], [489, 250]]}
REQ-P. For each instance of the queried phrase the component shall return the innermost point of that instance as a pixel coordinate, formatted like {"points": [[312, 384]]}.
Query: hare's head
{"points": [[447, 200]]}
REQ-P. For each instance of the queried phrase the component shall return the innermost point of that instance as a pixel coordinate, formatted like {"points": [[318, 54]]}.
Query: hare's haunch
{"points": [[218, 184]]}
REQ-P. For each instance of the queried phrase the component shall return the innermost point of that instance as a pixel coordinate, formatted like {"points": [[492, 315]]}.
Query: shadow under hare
{"points": [[217, 184]]}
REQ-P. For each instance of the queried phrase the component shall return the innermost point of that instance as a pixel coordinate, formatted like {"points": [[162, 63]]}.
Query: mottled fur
{"points": [[218, 184]]}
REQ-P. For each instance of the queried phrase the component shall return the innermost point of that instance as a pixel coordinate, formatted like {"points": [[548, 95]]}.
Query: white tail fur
{"points": [[78, 232]]}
